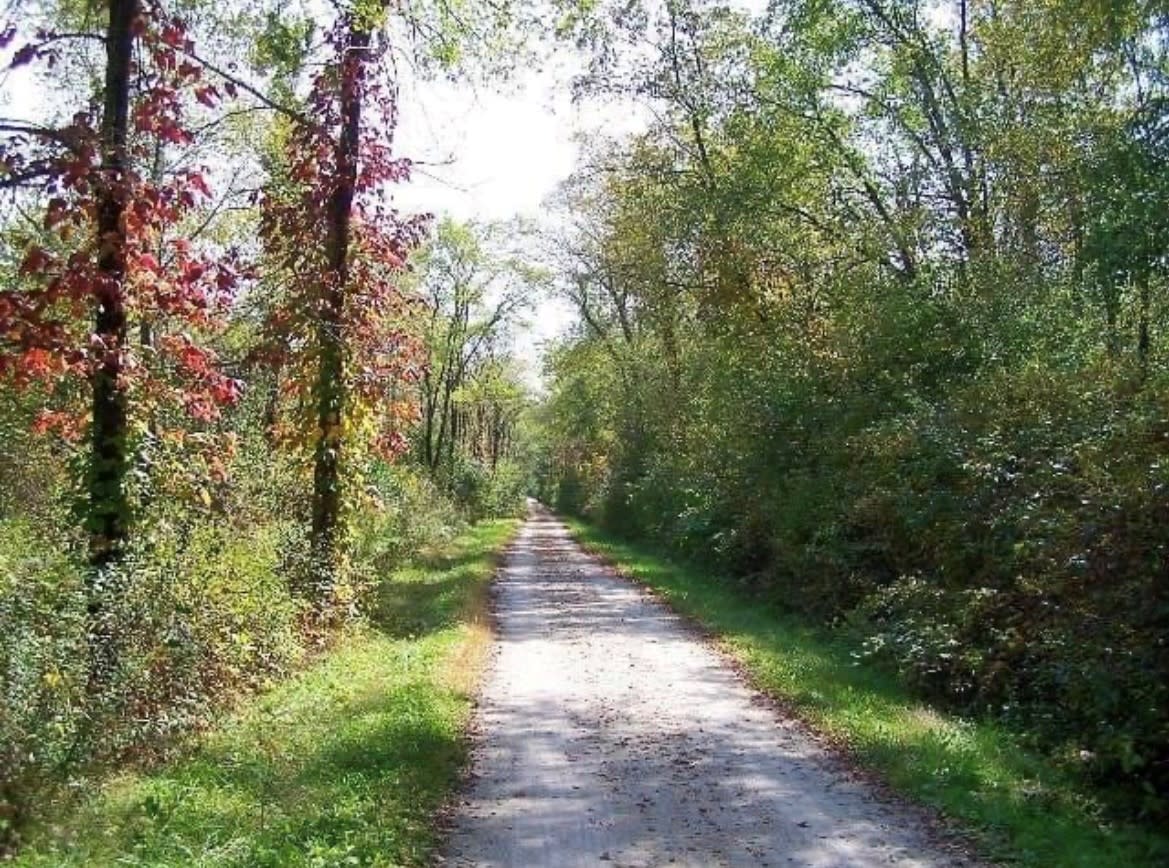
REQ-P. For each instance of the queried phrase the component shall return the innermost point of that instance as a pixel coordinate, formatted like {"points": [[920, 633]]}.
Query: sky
{"points": [[486, 154], [494, 154]]}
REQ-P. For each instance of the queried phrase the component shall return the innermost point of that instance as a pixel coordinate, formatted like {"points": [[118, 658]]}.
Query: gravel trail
{"points": [[608, 734]]}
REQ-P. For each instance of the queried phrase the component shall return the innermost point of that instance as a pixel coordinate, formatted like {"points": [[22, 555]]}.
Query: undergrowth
{"points": [[346, 763]]}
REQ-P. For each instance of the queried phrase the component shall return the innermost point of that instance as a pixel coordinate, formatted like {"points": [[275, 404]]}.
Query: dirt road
{"points": [[610, 735]]}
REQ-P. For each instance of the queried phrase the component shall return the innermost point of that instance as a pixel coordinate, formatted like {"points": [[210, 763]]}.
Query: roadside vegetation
{"points": [[346, 763], [873, 321], [1021, 808], [236, 391]]}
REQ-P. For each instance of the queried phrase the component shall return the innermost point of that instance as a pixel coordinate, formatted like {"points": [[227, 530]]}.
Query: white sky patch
{"points": [[484, 155], [497, 155]]}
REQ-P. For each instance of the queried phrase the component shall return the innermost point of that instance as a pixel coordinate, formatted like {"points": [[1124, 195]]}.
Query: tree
{"points": [[472, 296], [346, 248], [853, 308], [92, 263]]}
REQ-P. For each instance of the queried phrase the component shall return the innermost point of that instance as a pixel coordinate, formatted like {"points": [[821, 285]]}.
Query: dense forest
{"points": [[872, 320]]}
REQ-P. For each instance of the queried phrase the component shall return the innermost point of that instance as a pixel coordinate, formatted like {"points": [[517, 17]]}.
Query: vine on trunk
{"points": [[106, 255], [342, 331]]}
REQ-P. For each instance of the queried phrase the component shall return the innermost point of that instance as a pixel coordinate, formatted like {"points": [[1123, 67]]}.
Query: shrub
{"points": [[197, 613]]}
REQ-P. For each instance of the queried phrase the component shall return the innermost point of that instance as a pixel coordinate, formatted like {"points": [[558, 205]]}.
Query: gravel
{"points": [[608, 733]]}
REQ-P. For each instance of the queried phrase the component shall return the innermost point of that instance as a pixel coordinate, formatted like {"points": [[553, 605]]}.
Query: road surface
{"points": [[610, 734]]}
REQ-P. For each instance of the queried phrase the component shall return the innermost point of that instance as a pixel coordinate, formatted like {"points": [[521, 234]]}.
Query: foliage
{"points": [[208, 361], [411, 514], [104, 254], [872, 318], [345, 763], [343, 248], [207, 608], [202, 613], [472, 399]]}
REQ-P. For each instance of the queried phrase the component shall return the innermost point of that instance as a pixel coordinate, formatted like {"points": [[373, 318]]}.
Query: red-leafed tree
{"points": [[343, 247], [106, 257]]}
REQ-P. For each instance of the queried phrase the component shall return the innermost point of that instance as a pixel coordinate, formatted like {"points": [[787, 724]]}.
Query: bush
{"points": [[981, 498], [483, 491], [198, 612], [405, 512]]}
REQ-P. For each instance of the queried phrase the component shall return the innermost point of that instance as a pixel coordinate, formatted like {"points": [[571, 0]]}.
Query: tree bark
{"points": [[1144, 340], [327, 503], [108, 506]]}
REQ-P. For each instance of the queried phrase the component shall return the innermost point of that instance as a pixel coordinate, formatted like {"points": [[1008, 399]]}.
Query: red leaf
{"points": [[68, 425], [147, 262], [201, 409], [164, 58], [226, 391], [172, 35], [36, 260], [55, 213], [225, 279], [171, 132], [37, 362], [196, 180], [207, 95]]}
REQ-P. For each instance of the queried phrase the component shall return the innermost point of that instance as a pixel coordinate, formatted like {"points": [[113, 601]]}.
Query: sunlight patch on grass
{"points": [[1023, 809], [344, 764]]}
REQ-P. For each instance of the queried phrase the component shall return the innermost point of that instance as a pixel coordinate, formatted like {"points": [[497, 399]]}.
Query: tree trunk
{"points": [[330, 387], [429, 402], [1111, 313], [1144, 340], [108, 506], [444, 420], [453, 438]]}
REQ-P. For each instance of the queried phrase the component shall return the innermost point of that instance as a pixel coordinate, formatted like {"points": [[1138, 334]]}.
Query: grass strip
{"points": [[347, 763], [1023, 809]]}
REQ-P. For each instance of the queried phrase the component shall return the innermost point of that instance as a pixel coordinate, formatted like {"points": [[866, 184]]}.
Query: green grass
{"points": [[1022, 809], [344, 764]]}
